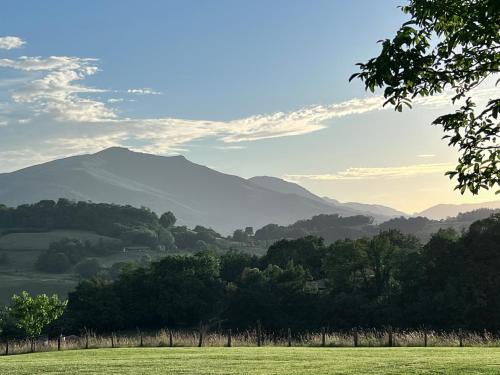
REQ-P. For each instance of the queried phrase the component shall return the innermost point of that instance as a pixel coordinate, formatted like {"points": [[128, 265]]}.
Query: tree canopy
{"points": [[448, 45], [33, 314]]}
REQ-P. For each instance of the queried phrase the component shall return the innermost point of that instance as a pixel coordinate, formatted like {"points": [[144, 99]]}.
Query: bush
{"points": [[141, 236], [88, 268], [53, 262]]}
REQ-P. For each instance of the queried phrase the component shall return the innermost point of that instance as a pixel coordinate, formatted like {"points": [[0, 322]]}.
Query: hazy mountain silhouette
{"points": [[443, 211], [379, 212], [282, 186], [196, 194]]}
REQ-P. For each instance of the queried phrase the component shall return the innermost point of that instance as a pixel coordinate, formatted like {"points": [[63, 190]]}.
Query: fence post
{"points": [[112, 339], [289, 337], [59, 343], [460, 338], [6, 347], [355, 337], [425, 339], [200, 342], [259, 343], [390, 337], [170, 338], [86, 339], [323, 336], [229, 338], [141, 344]]}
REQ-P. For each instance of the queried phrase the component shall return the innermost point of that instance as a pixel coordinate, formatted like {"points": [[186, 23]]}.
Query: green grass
{"points": [[41, 241], [35, 283], [265, 360]]}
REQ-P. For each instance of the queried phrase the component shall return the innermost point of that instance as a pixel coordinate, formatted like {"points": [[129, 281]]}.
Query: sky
{"points": [[247, 88]]}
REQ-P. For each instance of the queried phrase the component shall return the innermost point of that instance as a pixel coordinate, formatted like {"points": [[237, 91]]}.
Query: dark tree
{"points": [[168, 219]]}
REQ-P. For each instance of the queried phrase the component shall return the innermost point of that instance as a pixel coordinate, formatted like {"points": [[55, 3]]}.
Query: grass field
{"points": [[35, 283], [274, 360], [41, 241]]}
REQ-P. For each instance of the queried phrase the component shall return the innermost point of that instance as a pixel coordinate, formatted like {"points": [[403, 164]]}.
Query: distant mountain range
{"points": [[443, 211], [195, 193], [378, 212]]}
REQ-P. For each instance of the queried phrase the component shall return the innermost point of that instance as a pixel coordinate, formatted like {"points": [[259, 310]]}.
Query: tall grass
{"points": [[190, 338]]}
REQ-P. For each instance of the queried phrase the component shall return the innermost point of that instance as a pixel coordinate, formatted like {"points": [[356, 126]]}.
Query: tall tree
{"points": [[448, 44]]}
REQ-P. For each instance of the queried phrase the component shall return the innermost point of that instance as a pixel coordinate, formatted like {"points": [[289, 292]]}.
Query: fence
{"points": [[258, 337]]}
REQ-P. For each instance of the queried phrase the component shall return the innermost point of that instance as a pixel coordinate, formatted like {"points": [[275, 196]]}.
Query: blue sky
{"points": [[248, 88]]}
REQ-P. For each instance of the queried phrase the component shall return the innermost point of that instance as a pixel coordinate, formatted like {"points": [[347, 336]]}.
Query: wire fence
{"points": [[203, 338]]}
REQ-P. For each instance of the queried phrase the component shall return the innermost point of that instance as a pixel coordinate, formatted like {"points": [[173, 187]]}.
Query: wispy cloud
{"points": [[53, 92], [58, 94], [115, 100], [11, 42], [144, 91], [370, 173], [426, 156]]}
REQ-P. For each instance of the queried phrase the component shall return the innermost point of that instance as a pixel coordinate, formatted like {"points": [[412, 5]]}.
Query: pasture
{"points": [[42, 240], [35, 283], [264, 360]]}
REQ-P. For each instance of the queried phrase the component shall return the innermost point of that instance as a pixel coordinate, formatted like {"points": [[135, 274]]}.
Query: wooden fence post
{"points": [[6, 347], [229, 338], [112, 339], [86, 339], [425, 339], [170, 338], [460, 338], [259, 343], [141, 343], [59, 343], [355, 337], [390, 343], [200, 342], [289, 337], [323, 336]]}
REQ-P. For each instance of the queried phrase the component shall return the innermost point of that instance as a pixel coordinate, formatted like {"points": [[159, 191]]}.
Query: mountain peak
{"points": [[113, 150]]}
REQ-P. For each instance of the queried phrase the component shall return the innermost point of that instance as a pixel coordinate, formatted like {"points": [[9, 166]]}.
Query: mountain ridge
{"points": [[195, 193], [445, 210]]}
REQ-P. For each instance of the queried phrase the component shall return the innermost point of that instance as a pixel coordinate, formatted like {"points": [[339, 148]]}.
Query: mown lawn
{"points": [[266, 360]]}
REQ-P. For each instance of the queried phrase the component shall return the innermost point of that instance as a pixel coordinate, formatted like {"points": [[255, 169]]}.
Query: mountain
{"points": [[378, 212], [282, 186], [443, 211], [195, 193], [375, 210]]}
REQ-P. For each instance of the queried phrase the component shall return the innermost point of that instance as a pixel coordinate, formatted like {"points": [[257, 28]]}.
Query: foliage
{"points": [[240, 236], [448, 44], [103, 218], [168, 219], [88, 268], [451, 282], [63, 254], [33, 314], [330, 227]]}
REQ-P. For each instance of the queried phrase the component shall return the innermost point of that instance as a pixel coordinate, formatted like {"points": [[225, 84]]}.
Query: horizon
{"points": [[248, 178], [206, 82]]}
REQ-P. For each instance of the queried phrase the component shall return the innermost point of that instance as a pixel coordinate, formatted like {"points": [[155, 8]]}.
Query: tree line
{"points": [[391, 279]]}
